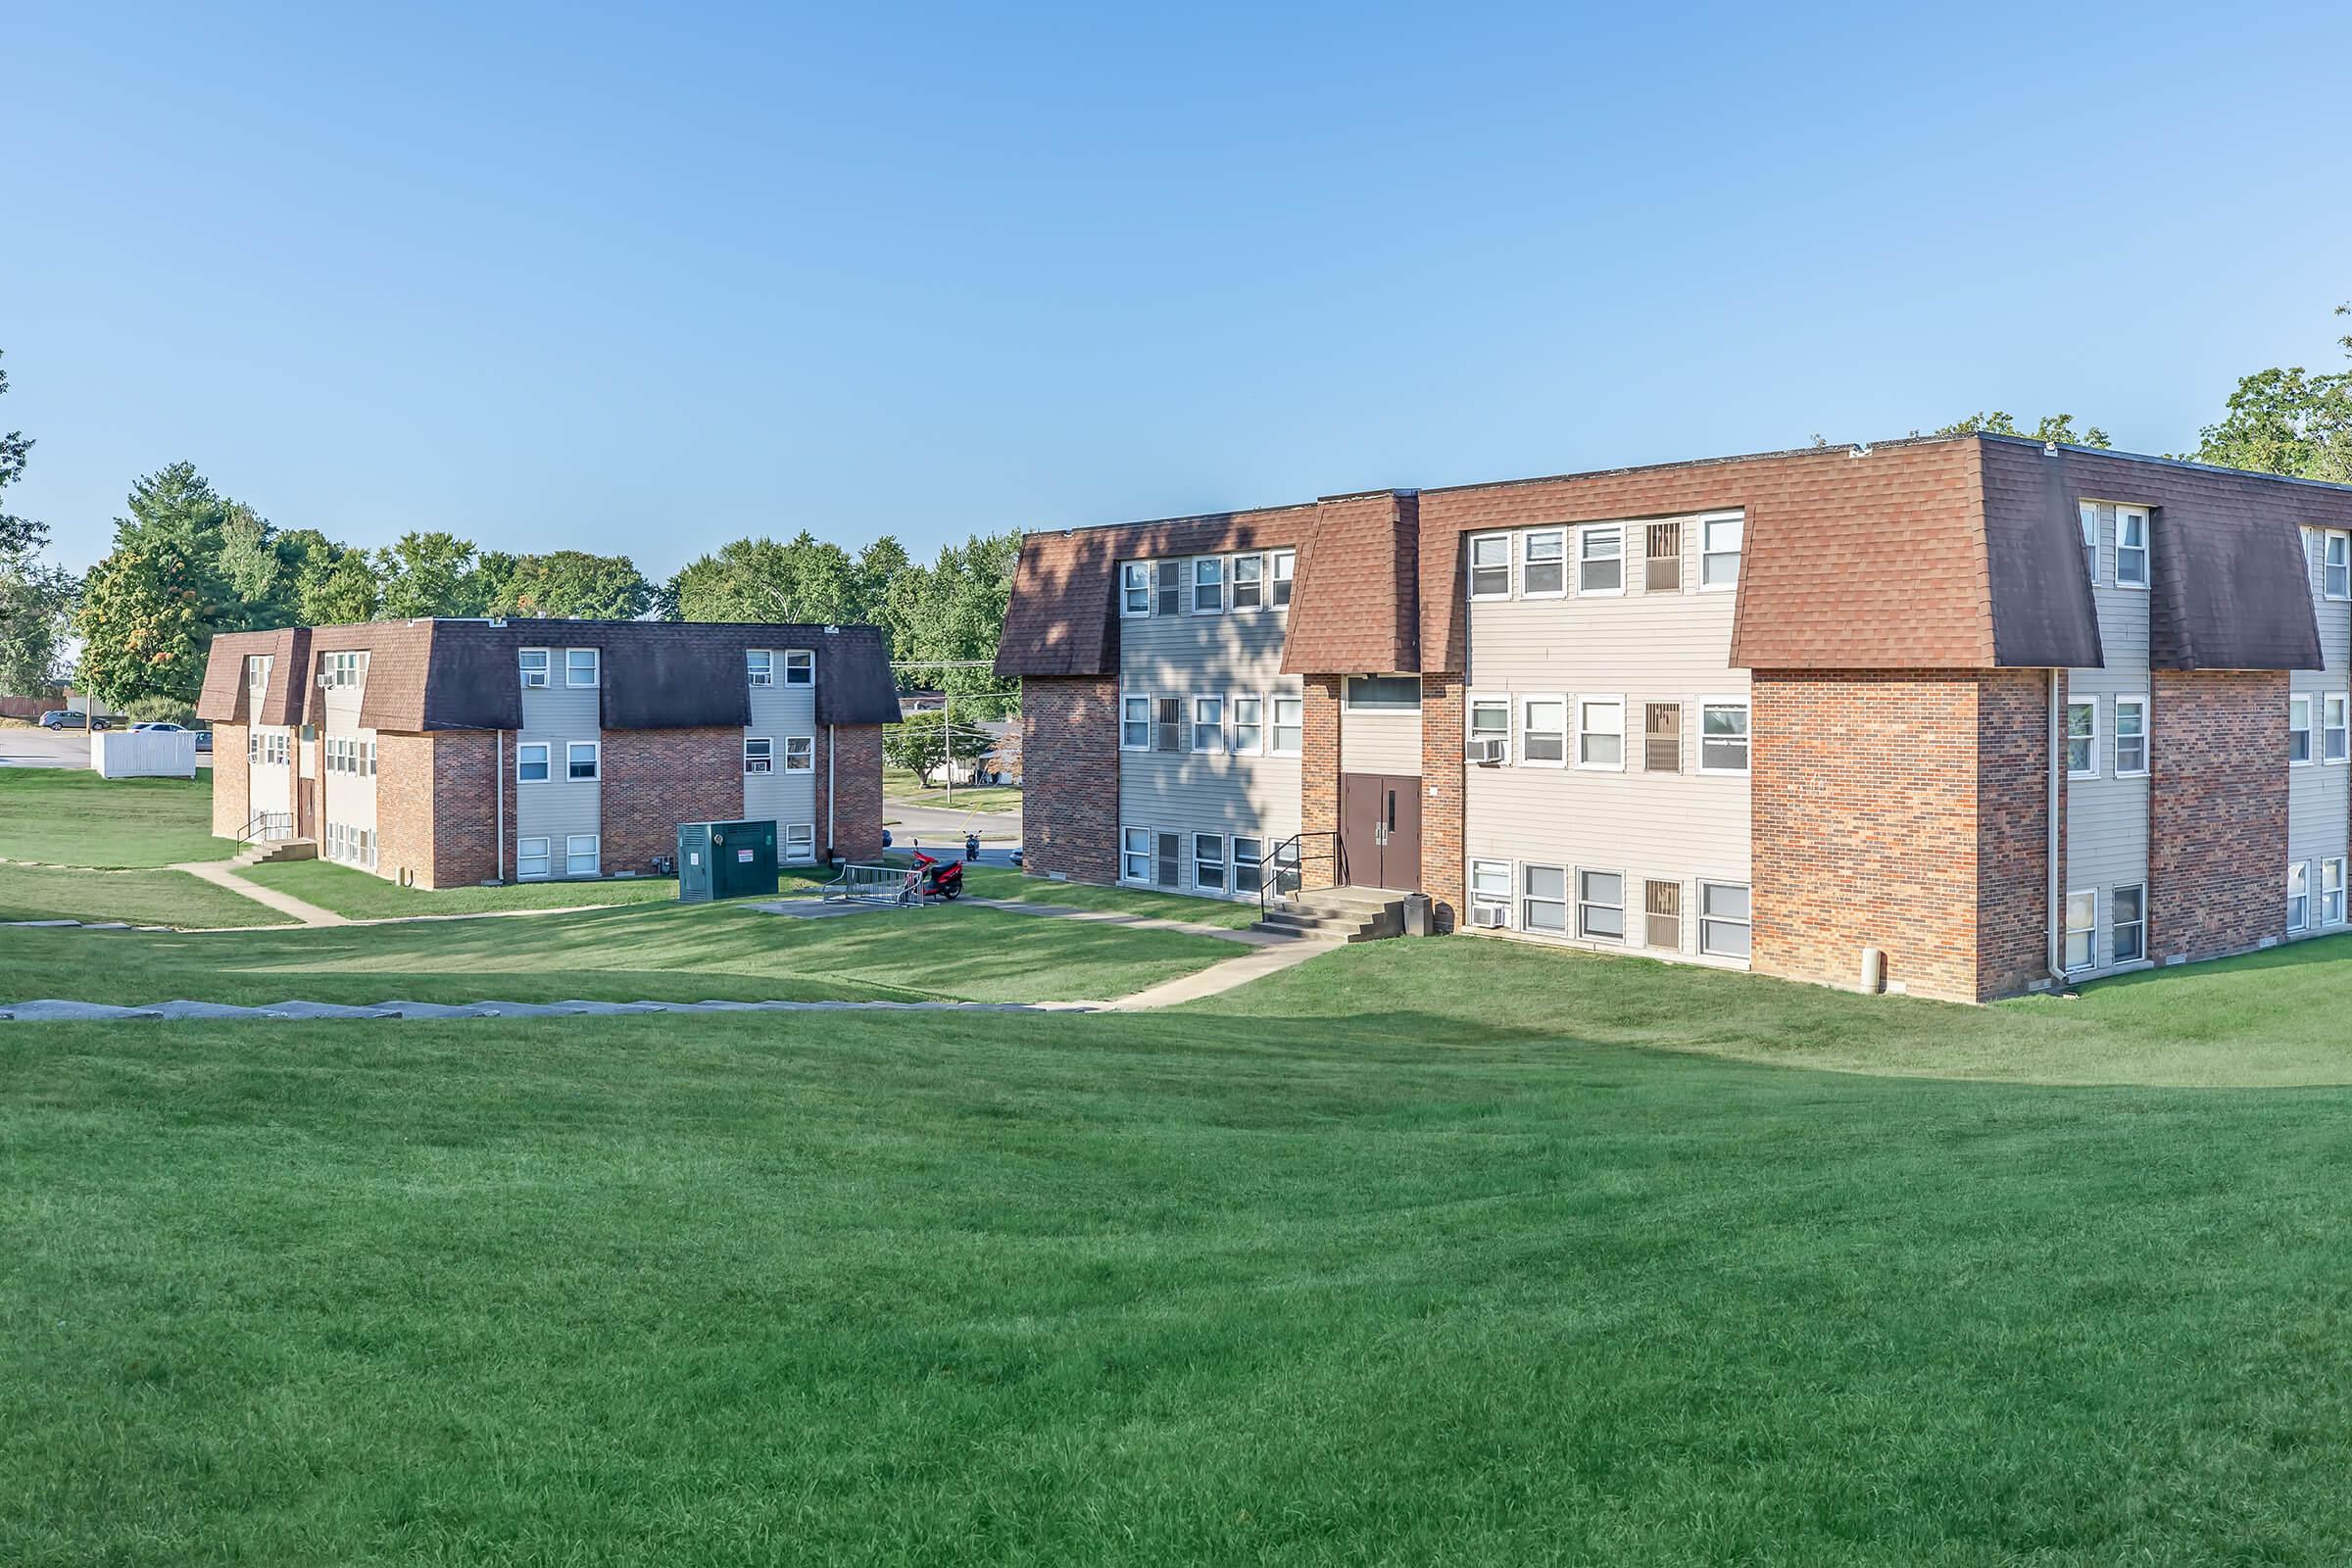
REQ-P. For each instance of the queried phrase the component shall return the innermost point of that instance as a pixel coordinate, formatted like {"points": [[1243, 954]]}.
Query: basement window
{"points": [[1491, 894], [1209, 862], [2298, 896], [1724, 921], [1600, 905], [1135, 853], [532, 859], [2127, 923], [2331, 891], [580, 855], [2082, 931], [800, 843], [1543, 899], [1249, 863]]}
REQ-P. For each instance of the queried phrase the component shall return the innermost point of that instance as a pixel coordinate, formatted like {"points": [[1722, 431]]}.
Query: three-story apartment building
{"points": [[2009, 714], [445, 752]]}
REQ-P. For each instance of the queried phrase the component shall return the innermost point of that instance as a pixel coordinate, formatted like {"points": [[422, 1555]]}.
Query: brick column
{"points": [[653, 779], [2217, 812], [856, 775], [232, 781], [1442, 790], [1070, 768], [465, 787], [1319, 776], [2013, 830]]}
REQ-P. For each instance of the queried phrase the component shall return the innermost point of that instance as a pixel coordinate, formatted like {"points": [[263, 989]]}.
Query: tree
{"points": [[2287, 421], [428, 574], [759, 579], [946, 618], [568, 583], [923, 743], [325, 583], [19, 536], [35, 604], [2058, 427], [142, 634], [250, 565]]}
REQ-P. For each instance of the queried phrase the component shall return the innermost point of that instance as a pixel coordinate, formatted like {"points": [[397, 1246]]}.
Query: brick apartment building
{"points": [[2010, 714], [444, 753]]}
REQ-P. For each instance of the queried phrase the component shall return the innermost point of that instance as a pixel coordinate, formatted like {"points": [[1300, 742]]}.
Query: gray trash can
{"points": [[1416, 914]]}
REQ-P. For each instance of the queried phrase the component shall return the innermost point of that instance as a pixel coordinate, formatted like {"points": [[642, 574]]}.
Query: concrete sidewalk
{"points": [[220, 875], [1230, 975]]}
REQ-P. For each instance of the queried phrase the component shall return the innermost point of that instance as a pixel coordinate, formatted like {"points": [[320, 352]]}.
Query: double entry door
{"points": [[1380, 827]]}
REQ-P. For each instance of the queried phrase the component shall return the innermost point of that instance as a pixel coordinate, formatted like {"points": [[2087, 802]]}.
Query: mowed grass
{"points": [[364, 896], [142, 897], [71, 817], [671, 952], [1350, 1268], [1002, 882]]}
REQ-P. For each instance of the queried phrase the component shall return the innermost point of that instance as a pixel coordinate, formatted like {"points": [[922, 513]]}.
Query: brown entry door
{"points": [[1379, 829]]}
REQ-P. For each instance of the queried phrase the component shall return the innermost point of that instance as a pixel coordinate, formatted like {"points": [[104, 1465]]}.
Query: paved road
{"points": [[55, 748], [936, 826]]}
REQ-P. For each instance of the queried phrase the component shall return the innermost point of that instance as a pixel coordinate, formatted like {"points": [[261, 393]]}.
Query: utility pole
{"points": [[947, 740]]}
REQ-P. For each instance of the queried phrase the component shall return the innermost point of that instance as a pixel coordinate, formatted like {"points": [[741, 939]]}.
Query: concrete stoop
{"points": [[273, 851], [1338, 914]]}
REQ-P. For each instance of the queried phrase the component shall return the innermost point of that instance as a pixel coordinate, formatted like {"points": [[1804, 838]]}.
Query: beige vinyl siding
{"points": [[348, 799], [269, 786], [2318, 796], [785, 799], [1682, 827], [1237, 652], [2107, 816], [557, 714], [1380, 743]]}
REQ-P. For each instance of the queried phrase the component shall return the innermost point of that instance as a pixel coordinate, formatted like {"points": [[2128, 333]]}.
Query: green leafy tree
{"points": [[805, 579], [924, 742], [323, 583], [947, 619], [2058, 427], [141, 625], [569, 582], [252, 566], [36, 603], [19, 536], [2287, 421], [428, 574]]}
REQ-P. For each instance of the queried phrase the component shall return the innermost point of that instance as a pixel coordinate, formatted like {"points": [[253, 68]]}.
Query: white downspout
{"points": [[2055, 917], [498, 826], [831, 748]]}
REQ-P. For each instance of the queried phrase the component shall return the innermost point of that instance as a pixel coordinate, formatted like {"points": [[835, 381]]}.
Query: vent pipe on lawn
{"points": [[2054, 912]]}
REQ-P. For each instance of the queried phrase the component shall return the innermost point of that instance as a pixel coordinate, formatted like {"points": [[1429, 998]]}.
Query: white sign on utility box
{"points": [[143, 753]]}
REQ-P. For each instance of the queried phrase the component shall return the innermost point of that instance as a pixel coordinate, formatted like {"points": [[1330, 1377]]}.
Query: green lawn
{"points": [[143, 897], [363, 896], [71, 817], [899, 787], [670, 952], [1413, 1255], [1002, 882]]}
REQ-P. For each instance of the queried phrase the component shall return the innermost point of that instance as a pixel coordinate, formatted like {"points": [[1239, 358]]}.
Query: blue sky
{"points": [[646, 280]]}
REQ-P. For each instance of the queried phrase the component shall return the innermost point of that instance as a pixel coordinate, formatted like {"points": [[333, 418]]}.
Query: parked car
{"points": [[74, 718], [159, 726], [204, 740]]}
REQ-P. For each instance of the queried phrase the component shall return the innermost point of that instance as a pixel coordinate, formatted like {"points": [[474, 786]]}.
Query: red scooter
{"points": [[935, 879]]}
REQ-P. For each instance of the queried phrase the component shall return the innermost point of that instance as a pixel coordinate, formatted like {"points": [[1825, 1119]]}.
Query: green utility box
{"points": [[726, 860]]}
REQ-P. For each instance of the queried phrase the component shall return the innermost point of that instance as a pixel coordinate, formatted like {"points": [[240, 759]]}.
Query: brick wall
{"points": [[2013, 830], [656, 778], [404, 806], [232, 781], [1319, 776], [464, 808], [1441, 797], [2217, 812], [1071, 757], [856, 779]]}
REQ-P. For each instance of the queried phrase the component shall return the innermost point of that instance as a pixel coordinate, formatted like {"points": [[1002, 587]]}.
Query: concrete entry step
{"points": [[273, 851], [1344, 915]]}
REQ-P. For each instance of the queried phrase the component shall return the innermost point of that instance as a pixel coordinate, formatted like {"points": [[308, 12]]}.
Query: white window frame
{"points": [[2335, 729], [1256, 745], [1488, 898], [1135, 577], [1208, 573], [1736, 521], [1586, 700], [2294, 701], [2335, 565], [762, 760], [524, 856], [1583, 930], [2137, 702], [595, 854], [800, 666], [1746, 737], [2088, 932], [1275, 726], [596, 760], [596, 668], [2331, 898], [1127, 702], [760, 666], [2138, 927], [2086, 512], [1223, 862], [1558, 538], [1508, 567], [1282, 574], [799, 753], [1254, 862], [1488, 702], [1528, 901], [1586, 538], [545, 670], [1708, 922], [1194, 723], [2298, 892], [2129, 553], [1256, 584], [2090, 741], [546, 761], [1149, 855], [1527, 731], [800, 843]]}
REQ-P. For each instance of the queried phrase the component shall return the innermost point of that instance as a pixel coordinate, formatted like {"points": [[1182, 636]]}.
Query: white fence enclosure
{"points": [[143, 753]]}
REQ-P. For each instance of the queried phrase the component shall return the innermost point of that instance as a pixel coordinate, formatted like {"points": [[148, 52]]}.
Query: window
{"points": [[1135, 853], [2127, 924], [1383, 694], [1167, 587], [2088, 512], [759, 755], [2131, 546], [1491, 733], [2082, 740], [2336, 577], [761, 663], [257, 675], [799, 842], [1723, 919], [1491, 565], [1248, 725], [1543, 569], [1719, 550], [1543, 899], [2331, 892], [531, 857], [1135, 589], [1662, 558], [1662, 916], [1249, 863], [1544, 732], [2298, 896], [1600, 561], [580, 855], [579, 759], [1208, 723], [253, 746], [2298, 728], [1600, 732], [579, 666], [2081, 949], [368, 758], [343, 669], [2131, 736], [2332, 747], [1208, 586], [1290, 724], [1285, 567], [799, 753], [1167, 724], [1167, 860], [1249, 581], [1723, 737], [800, 667], [1491, 892], [1209, 862], [1135, 723], [1661, 737], [534, 667], [530, 762], [1600, 905]]}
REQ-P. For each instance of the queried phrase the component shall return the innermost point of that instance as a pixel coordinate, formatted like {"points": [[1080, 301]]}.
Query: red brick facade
{"points": [[1442, 790], [653, 779], [1070, 753], [2216, 813], [2013, 830], [232, 783], [856, 781], [1319, 776]]}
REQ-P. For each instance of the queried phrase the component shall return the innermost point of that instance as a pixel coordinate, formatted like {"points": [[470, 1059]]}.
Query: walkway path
{"points": [[220, 875]]}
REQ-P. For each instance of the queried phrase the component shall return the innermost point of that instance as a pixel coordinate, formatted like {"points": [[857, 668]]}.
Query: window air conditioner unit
{"points": [[1492, 917], [1488, 751]]}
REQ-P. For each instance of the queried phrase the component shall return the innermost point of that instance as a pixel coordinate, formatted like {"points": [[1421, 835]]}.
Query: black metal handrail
{"points": [[1285, 868]]}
